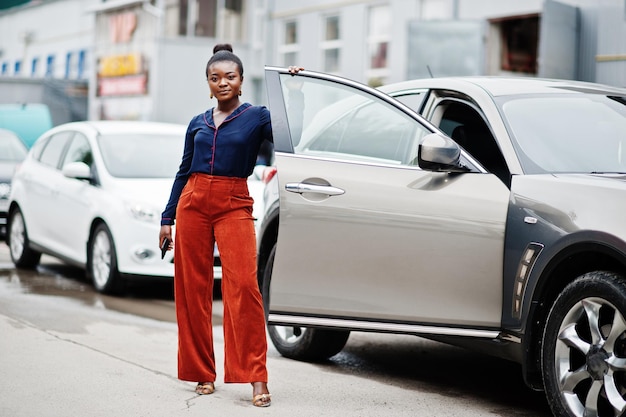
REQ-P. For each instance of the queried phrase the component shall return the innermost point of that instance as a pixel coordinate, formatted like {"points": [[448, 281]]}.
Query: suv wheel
{"points": [[301, 343], [103, 261], [584, 348], [21, 253]]}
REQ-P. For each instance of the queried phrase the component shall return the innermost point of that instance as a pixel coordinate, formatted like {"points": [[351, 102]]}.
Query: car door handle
{"points": [[300, 188]]}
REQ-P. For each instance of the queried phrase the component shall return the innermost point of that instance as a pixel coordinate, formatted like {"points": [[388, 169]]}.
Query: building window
{"points": [[379, 27], [80, 68], [232, 27], [289, 47], [176, 14], [17, 68], [291, 33], [5, 68], [33, 67], [331, 44], [378, 42], [222, 19], [68, 65], [205, 18], [50, 66]]}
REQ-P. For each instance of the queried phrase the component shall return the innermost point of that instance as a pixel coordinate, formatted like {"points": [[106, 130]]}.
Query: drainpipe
{"points": [[269, 45]]}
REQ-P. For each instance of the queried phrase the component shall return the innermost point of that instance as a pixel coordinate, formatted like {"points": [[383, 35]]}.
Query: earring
{"points": [[239, 92], [211, 95]]}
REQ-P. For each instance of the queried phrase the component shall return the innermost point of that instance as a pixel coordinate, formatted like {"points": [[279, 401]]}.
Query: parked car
{"points": [[509, 238], [12, 153], [92, 193]]}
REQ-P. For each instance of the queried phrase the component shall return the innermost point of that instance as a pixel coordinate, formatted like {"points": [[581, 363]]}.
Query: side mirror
{"points": [[439, 153], [78, 170]]}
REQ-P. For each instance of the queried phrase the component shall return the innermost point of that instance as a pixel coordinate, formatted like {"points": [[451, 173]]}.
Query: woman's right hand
{"points": [[166, 232]]}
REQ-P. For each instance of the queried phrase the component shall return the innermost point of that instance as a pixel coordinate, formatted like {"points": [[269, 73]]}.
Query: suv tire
{"points": [[584, 347]]}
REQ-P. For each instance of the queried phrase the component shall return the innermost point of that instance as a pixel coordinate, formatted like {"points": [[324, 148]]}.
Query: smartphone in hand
{"points": [[164, 247]]}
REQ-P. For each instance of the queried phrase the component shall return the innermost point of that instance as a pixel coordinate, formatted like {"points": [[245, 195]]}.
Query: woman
{"points": [[210, 203]]}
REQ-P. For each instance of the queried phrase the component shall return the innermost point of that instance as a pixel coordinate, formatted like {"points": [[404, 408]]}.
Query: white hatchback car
{"points": [[92, 193]]}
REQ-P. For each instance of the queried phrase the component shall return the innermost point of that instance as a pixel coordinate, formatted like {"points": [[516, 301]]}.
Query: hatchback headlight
{"points": [[144, 212]]}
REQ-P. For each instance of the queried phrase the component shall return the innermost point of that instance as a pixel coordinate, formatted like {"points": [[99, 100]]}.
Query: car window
{"points": [[582, 133], [141, 155], [79, 151], [53, 149], [466, 126], [342, 122], [37, 147]]}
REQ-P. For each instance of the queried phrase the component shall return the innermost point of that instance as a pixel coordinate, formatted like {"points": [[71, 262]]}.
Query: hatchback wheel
{"points": [[584, 348], [21, 253], [301, 343], [102, 265]]}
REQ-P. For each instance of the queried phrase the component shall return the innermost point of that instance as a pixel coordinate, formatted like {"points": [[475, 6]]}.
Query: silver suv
{"points": [[483, 212]]}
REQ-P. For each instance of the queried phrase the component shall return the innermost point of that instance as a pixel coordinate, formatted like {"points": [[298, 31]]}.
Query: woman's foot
{"points": [[205, 388], [261, 396]]}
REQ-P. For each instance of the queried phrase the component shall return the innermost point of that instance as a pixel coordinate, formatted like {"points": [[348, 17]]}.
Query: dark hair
{"points": [[224, 52]]}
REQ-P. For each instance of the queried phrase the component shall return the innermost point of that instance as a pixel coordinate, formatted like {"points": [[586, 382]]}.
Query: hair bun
{"points": [[222, 47]]}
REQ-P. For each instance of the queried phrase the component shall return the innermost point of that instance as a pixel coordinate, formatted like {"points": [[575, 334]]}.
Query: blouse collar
{"points": [[209, 114]]}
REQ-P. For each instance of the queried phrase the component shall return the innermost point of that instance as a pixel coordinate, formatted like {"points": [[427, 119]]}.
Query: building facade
{"points": [[145, 59], [379, 42]]}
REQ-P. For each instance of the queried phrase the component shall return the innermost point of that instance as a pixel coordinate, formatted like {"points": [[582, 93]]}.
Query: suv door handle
{"points": [[300, 188]]}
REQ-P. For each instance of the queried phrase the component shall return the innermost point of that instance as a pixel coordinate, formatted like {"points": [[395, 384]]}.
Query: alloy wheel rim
{"points": [[590, 359], [101, 259], [17, 236], [290, 335]]}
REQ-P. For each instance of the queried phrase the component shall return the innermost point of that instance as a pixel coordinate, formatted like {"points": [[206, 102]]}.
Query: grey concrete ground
{"points": [[62, 357]]}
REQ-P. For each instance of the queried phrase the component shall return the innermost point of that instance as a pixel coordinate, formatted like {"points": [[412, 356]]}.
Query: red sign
{"points": [[123, 86]]}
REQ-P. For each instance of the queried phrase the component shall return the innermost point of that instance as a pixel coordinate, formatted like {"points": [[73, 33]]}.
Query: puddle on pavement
{"points": [[151, 299]]}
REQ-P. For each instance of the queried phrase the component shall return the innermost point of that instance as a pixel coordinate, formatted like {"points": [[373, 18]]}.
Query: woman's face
{"points": [[224, 80]]}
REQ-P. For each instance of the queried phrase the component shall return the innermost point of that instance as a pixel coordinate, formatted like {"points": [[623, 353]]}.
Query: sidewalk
{"points": [[49, 374]]}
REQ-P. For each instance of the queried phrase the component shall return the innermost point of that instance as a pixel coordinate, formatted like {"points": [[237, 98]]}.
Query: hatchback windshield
{"points": [[141, 156], [569, 133]]}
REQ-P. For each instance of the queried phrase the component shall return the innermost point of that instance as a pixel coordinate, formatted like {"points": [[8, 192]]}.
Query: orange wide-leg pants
{"points": [[218, 209]]}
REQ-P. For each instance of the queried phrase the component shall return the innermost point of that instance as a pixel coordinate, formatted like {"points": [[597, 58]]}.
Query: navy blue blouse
{"points": [[230, 150]]}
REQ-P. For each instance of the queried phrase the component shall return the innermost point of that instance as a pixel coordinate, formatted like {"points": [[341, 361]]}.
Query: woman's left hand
{"points": [[295, 69]]}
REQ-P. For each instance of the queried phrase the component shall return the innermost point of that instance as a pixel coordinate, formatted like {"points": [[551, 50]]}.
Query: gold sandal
{"points": [[205, 388], [262, 400]]}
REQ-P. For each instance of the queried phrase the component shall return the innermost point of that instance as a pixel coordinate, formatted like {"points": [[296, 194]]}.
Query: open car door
{"points": [[367, 239]]}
